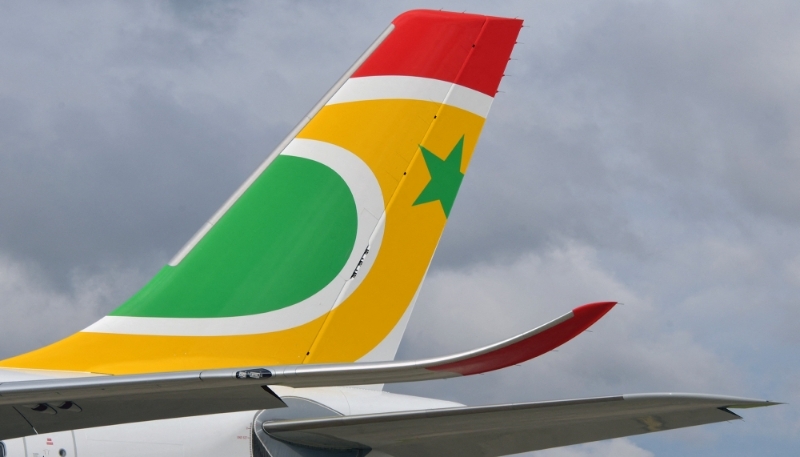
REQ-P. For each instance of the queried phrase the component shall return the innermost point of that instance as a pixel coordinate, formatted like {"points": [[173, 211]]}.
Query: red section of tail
{"points": [[466, 49], [488, 61], [582, 318]]}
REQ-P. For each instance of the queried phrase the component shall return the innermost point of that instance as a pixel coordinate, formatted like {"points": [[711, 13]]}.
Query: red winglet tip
{"points": [[600, 308], [582, 318], [592, 312]]}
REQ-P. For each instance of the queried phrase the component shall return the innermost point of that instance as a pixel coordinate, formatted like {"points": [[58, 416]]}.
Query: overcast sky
{"points": [[640, 151]]}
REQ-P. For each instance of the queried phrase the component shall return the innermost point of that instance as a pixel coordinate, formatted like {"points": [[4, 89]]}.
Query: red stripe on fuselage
{"points": [[466, 49]]}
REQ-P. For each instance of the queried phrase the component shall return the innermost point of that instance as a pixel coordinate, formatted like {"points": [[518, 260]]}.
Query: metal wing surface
{"points": [[508, 429], [29, 407], [33, 407]]}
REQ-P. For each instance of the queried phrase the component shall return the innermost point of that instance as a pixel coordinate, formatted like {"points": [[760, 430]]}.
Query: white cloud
{"points": [[614, 448]]}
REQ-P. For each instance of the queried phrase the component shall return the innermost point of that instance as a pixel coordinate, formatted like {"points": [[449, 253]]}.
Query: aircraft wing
{"points": [[505, 429], [33, 407], [52, 405]]}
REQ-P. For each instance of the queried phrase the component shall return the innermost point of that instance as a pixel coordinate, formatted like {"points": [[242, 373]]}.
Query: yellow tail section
{"points": [[320, 255]]}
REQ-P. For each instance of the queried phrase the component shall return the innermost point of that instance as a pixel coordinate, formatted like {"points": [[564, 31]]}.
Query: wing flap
{"points": [[509, 429]]}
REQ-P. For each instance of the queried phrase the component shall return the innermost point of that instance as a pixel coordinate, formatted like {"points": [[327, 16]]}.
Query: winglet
{"points": [[531, 344], [85, 390], [520, 348]]}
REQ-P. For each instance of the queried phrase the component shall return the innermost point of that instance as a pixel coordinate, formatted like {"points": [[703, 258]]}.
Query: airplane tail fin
{"points": [[319, 255]]}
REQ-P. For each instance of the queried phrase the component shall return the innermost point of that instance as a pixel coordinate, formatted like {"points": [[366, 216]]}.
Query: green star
{"points": [[445, 180]]}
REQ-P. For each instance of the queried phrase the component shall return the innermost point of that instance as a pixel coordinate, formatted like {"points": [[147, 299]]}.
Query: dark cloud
{"points": [[622, 115], [640, 150]]}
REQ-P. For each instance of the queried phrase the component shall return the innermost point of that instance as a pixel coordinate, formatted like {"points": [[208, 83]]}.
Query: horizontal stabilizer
{"points": [[509, 429], [65, 404]]}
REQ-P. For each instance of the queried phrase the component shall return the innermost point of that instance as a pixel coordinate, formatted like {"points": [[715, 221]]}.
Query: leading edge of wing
{"points": [[51, 405], [511, 428], [518, 349], [505, 353]]}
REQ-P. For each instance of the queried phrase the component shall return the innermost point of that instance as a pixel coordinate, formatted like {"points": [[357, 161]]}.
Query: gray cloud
{"points": [[641, 150], [613, 448], [629, 349], [673, 115], [35, 315]]}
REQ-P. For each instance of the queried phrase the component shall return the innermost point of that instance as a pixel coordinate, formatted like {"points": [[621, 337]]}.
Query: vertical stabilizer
{"points": [[320, 255]]}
